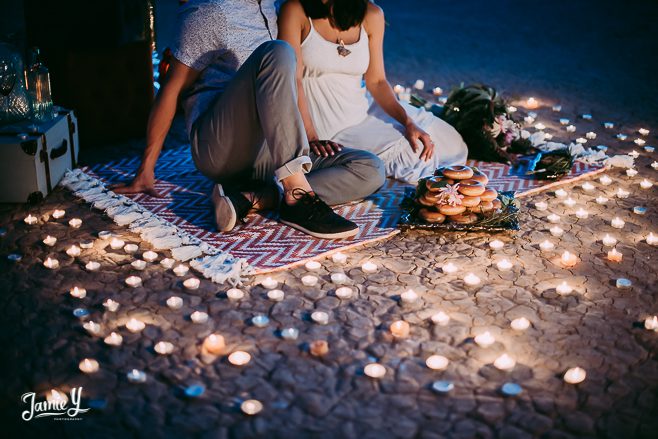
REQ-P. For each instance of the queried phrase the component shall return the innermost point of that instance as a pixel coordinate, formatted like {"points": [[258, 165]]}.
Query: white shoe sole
{"points": [[340, 235], [225, 216]]}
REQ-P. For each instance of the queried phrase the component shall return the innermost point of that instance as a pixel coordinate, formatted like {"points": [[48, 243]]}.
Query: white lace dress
{"points": [[344, 112]]}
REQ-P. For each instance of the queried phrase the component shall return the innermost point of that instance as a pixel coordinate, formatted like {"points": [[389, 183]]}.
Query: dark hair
{"points": [[342, 14]]}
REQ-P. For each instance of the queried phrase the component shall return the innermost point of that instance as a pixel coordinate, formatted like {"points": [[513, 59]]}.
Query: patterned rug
{"points": [[267, 245]]}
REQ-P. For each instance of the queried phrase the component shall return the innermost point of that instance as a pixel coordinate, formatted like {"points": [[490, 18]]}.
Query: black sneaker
{"points": [[230, 207], [312, 216]]}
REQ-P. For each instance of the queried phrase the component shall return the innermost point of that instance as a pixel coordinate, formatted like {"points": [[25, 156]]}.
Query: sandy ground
{"points": [[590, 57]]}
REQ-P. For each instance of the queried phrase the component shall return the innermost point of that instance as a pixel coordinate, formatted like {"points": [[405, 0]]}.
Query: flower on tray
{"points": [[450, 195]]}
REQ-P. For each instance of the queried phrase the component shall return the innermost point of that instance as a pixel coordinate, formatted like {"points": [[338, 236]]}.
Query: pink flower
{"points": [[449, 195]]}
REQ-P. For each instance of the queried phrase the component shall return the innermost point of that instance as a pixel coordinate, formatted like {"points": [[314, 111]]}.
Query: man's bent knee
{"points": [[278, 52]]}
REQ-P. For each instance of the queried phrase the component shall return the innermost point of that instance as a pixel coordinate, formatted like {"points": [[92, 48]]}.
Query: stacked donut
{"points": [[458, 194]]}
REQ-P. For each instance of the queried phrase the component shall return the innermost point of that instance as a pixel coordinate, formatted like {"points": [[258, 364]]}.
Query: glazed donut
{"points": [[471, 188], [497, 204], [439, 172], [459, 172], [470, 201], [480, 176], [434, 184], [489, 194], [449, 210], [486, 206], [431, 216], [467, 218]]}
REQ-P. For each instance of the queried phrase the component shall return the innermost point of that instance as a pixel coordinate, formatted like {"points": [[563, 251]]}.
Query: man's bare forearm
{"points": [[159, 122]]}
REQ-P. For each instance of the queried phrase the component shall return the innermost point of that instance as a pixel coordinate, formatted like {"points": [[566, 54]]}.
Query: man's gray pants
{"points": [[254, 129]]}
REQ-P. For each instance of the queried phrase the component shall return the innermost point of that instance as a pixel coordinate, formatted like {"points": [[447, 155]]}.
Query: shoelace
{"points": [[317, 207]]}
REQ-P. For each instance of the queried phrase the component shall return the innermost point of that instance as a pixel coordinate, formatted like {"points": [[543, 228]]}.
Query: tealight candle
{"points": [[369, 267], [557, 108], [167, 263], [556, 231], [569, 202], [571, 129], [181, 270], [605, 180], [588, 187], [320, 317], [344, 293], [529, 119], [622, 137], [512, 109], [111, 305], [136, 376], [419, 84], [149, 256], [133, 281], [92, 266], [639, 142], [163, 347], [540, 126], [400, 329], [374, 370], [30, 220], [239, 358], [591, 135], [104, 234], [138, 264], [318, 348], [338, 278], [51, 263], [14, 257], [582, 213], [87, 244], [437, 362], [275, 295], [581, 140], [654, 165], [73, 251], [548, 136], [651, 323], [269, 283], [643, 132], [290, 333], [75, 223], [617, 223], [113, 339], [532, 103], [484, 340], [92, 327], [251, 407], [646, 184], [191, 283], [504, 362], [409, 296], [79, 293], [631, 172], [260, 321], [313, 265], [175, 302], [546, 245], [608, 125], [615, 256], [564, 121], [309, 280], [117, 243], [623, 284], [199, 317], [440, 318], [541, 205], [449, 268], [398, 89], [609, 241], [58, 213], [520, 324], [601, 199], [235, 294], [563, 288], [214, 344], [130, 248], [339, 258], [587, 116], [496, 244], [568, 259], [471, 279], [575, 375], [553, 218], [639, 210], [651, 239], [50, 241], [504, 265], [135, 325], [57, 398]]}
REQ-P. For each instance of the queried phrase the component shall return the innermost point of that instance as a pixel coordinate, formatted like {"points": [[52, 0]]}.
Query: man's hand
{"points": [[144, 182], [325, 148], [414, 134]]}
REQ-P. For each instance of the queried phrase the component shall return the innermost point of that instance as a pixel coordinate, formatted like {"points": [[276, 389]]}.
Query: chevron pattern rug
{"points": [[267, 245]]}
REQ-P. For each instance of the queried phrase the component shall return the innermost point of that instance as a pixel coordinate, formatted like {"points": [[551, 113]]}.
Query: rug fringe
{"points": [[218, 266]]}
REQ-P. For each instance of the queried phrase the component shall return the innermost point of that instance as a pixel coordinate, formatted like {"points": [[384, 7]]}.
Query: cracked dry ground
{"points": [[597, 327]]}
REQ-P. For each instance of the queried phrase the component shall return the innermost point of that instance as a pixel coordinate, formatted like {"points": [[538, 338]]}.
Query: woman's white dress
{"points": [[344, 112]]}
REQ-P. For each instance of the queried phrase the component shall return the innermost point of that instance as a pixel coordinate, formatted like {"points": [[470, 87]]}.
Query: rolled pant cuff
{"points": [[301, 164]]}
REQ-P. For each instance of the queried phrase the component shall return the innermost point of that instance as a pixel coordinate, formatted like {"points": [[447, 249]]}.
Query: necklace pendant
{"points": [[342, 51]]}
